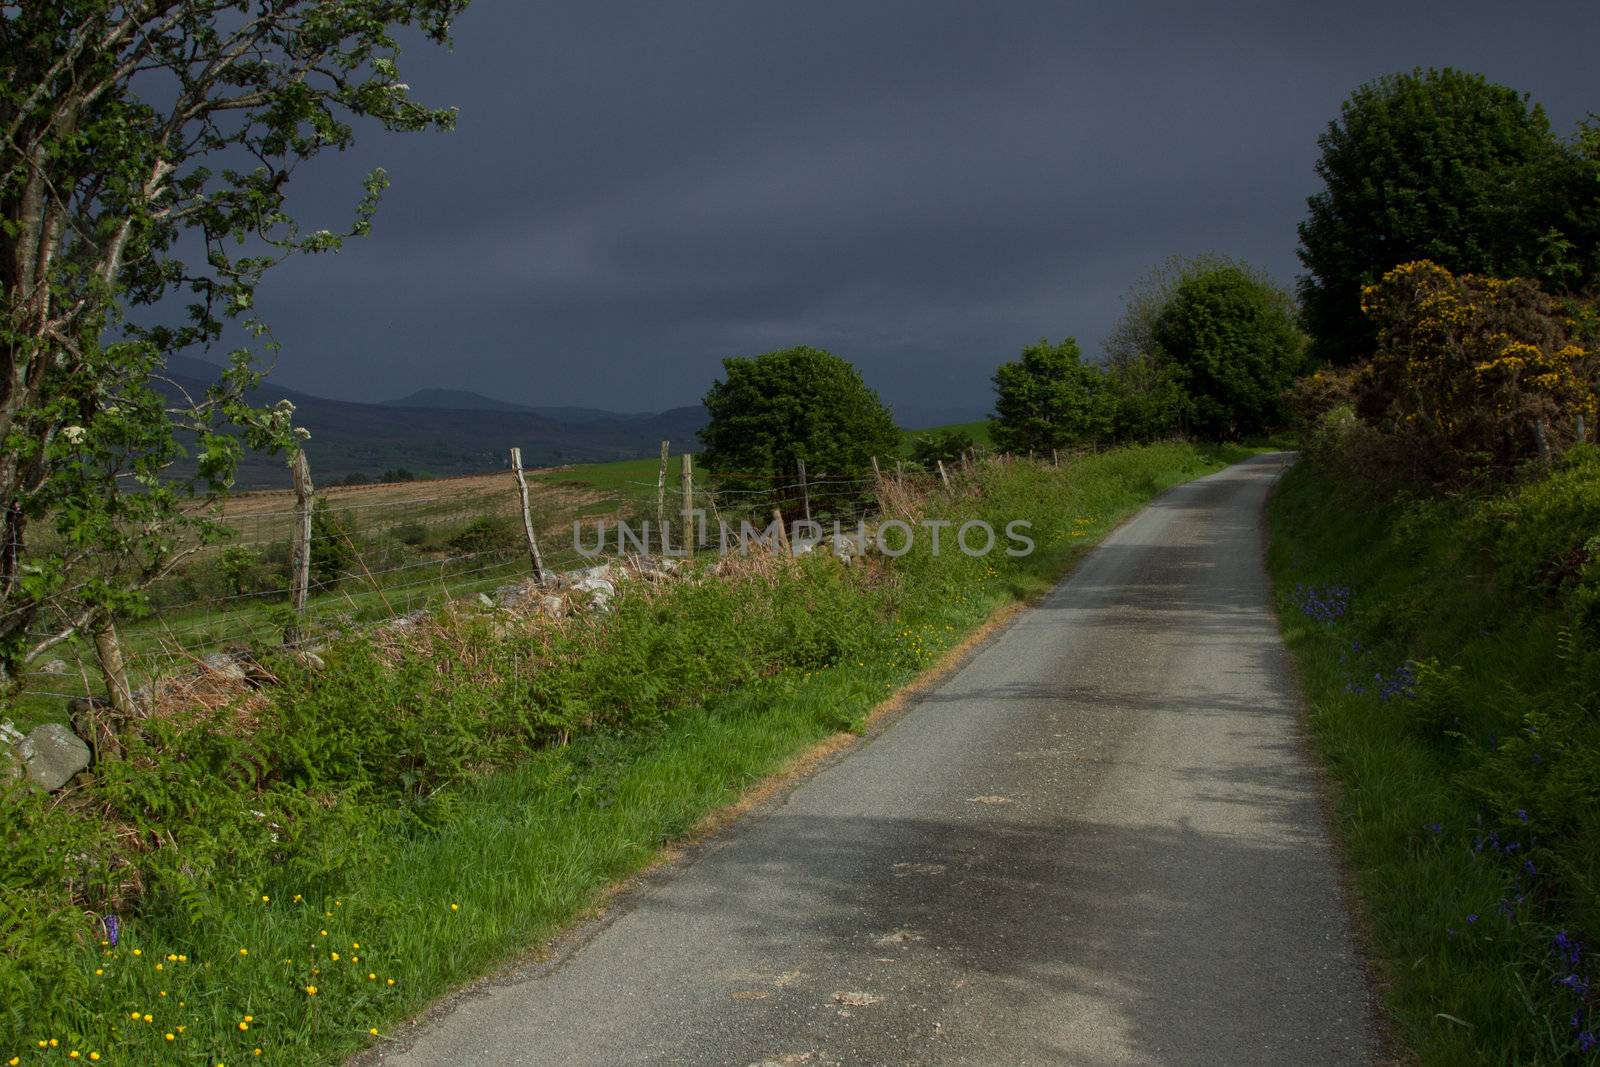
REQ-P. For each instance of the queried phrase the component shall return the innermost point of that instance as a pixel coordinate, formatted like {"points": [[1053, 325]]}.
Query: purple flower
{"points": [[1522, 813], [113, 929], [1472, 918], [1587, 1041]]}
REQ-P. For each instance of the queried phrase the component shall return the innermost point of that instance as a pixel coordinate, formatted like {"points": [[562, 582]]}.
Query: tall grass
{"points": [[1448, 649], [312, 865]]}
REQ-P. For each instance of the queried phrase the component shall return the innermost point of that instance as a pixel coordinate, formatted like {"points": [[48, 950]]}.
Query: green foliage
{"points": [[495, 534], [930, 449], [1050, 398], [1233, 344], [333, 545], [510, 769], [144, 163], [1468, 788], [1444, 166], [1147, 398], [410, 533], [797, 404]]}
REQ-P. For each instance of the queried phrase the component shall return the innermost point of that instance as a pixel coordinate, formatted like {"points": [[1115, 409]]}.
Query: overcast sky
{"points": [[636, 191]]}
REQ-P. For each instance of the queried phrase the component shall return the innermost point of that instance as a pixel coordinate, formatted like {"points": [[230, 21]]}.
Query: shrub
{"points": [[947, 446], [333, 546], [411, 533], [1468, 369], [486, 534]]}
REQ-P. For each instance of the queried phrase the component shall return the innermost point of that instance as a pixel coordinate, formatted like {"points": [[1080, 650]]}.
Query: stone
{"points": [[599, 591], [605, 572], [553, 605], [225, 665], [485, 601], [309, 659], [55, 666], [53, 754]]}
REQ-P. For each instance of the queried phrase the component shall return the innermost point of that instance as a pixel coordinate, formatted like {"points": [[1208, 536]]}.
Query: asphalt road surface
{"points": [[1100, 842]]}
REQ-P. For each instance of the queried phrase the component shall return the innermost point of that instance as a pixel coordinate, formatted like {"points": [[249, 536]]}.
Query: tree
{"points": [[1148, 399], [1048, 399], [1234, 345], [146, 152], [1438, 165], [797, 404]]}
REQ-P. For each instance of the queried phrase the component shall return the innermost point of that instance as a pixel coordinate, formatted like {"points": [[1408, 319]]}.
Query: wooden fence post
{"points": [[877, 475], [943, 477], [687, 516], [899, 472], [527, 516], [783, 534], [300, 576], [661, 499], [1542, 437], [1055, 459], [966, 460], [805, 495]]}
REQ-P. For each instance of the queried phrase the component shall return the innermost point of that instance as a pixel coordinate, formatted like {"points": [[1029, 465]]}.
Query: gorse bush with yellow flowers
{"points": [[1470, 372], [299, 870]]}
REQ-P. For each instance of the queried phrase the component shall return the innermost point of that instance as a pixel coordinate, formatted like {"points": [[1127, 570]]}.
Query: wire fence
{"points": [[375, 553]]}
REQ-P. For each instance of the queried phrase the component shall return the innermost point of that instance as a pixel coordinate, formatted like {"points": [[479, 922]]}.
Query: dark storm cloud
{"points": [[636, 191]]}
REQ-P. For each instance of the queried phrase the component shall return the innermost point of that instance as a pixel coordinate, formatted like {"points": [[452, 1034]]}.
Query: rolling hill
{"points": [[421, 435]]}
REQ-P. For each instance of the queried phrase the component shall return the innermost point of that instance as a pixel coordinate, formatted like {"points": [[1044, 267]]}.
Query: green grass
{"points": [[628, 478], [391, 789], [1484, 762], [978, 431]]}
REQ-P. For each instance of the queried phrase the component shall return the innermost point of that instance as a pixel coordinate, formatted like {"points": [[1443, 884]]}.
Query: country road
{"points": [[1101, 841]]}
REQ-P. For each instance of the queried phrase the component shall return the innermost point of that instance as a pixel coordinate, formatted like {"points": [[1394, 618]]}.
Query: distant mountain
{"points": [[464, 400], [456, 399], [350, 438]]}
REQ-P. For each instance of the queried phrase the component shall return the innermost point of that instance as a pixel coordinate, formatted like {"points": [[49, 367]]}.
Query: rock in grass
{"points": [[226, 665], [309, 659], [53, 754]]}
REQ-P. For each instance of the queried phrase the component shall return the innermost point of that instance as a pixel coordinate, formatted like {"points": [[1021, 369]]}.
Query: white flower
{"points": [[284, 406], [302, 433], [73, 434]]}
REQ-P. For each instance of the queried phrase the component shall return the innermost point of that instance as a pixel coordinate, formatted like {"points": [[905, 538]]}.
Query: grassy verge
{"points": [[1447, 647], [299, 870]]}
